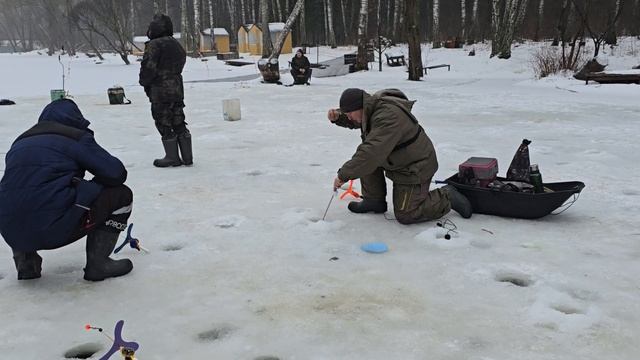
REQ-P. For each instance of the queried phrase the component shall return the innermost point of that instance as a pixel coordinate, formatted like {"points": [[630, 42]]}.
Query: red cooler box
{"points": [[478, 171]]}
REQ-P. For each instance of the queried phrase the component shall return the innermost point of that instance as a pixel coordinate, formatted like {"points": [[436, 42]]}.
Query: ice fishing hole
{"points": [[267, 357], [255, 173], [566, 309], [83, 351], [314, 164], [172, 247], [215, 334], [515, 279]]}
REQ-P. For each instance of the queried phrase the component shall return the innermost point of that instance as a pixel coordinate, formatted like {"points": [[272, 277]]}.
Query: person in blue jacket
{"points": [[45, 202]]}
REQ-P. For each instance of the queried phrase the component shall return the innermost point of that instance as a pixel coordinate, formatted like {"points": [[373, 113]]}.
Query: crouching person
{"points": [[45, 202], [396, 146]]}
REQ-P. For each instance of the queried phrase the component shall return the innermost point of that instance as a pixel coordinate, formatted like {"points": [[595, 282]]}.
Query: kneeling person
{"points": [[45, 202], [395, 145]]}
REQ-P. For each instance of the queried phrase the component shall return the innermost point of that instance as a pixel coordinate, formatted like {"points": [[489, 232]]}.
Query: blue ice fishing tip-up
{"points": [[133, 242]]}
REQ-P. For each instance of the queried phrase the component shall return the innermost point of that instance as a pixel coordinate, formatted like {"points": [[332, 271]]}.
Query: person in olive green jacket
{"points": [[393, 144]]}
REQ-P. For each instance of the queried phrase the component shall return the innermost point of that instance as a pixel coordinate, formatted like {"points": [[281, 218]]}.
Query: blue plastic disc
{"points": [[375, 247]]}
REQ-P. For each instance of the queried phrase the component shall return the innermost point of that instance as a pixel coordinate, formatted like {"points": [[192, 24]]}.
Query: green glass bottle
{"points": [[536, 178]]}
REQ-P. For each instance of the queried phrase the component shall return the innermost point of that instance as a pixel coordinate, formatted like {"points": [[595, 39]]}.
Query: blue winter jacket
{"points": [[43, 194]]}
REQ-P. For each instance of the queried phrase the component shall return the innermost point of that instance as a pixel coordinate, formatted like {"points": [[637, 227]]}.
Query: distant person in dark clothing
{"points": [[161, 76], [45, 202], [300, 68]]}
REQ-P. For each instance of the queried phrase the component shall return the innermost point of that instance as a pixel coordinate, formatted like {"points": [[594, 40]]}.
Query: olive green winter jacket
{"points": [[391, 139]]}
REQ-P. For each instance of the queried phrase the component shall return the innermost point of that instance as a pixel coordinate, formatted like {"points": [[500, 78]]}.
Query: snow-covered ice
{"points": [[242, 264]]}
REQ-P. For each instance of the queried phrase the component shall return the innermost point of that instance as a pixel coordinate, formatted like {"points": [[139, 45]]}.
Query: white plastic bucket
{"points": [[231, 109]]}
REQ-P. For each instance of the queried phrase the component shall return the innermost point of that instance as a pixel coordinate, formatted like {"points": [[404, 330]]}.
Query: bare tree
{"points": [[210, 6], [156, 6], [344, 21], [413, 34], [507, 16], [361, 60], [463, 17], [108, 19], [197, 27], [184, 25], [536, 37], [332, 34], [472, 35], [396, 17], [277, 48], [267, 47], [598, 35], [436, 24]]}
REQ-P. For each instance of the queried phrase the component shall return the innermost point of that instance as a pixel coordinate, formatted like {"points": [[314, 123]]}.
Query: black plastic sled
{"points": [[519, 204]]}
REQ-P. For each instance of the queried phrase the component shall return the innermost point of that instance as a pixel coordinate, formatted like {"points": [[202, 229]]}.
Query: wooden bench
{"points": [[394, 61], [435, 67]]}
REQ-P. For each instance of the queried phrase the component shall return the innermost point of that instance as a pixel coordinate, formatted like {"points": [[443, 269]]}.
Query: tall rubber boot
{"points": [[459, 202], [366, 206], [28, 264], [171, 157], [184, 140], [100, 244]]}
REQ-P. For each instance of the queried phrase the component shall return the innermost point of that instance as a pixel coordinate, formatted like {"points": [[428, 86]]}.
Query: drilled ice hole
{"points": [[84, 351]]}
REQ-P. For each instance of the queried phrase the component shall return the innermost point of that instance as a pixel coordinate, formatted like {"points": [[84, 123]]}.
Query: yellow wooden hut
{"points": [[216, 40], [250, 38]]}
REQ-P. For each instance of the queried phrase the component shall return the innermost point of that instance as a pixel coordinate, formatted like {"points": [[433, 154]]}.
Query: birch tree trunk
{"points": [[210, 5], [278, 9], [197, 26], [332, 34], [184, 25], [303, 23], [463, 18], [132, 15], [231, 5], [396, 18], [508, 16], [539, 22], [277, 48], [473, 32], [156, 6], [243, 12], [361, 60], [344, 21], [436, 24], [166, 7], [413, 35], [266, 33]]}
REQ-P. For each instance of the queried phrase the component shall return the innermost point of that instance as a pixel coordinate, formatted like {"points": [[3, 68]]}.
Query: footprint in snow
{"points": [[215, 334], [515, 278]]}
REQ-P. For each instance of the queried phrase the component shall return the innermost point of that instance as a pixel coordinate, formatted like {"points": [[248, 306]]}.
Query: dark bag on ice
{"points": [[519, 168]]}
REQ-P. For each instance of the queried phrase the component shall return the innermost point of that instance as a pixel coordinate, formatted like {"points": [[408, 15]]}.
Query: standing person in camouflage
{"points": [[393, 144], [161, 77]]}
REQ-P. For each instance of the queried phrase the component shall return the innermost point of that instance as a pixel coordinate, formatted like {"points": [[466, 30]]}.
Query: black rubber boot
{"points": [[366, 206], [459, 202], [28, 264], [100, 244], [184, 140], [171, 157]]}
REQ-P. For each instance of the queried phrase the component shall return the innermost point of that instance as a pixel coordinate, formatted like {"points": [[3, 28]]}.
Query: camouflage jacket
{"points": [[391, 139], [162, 63]]}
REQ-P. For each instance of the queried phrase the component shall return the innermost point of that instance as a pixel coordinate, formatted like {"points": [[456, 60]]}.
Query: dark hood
{"points": [[160, 26], [65, 112]]}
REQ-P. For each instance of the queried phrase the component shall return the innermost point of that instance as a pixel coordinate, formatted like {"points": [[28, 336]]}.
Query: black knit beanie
{"points": [[351, 100]]}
